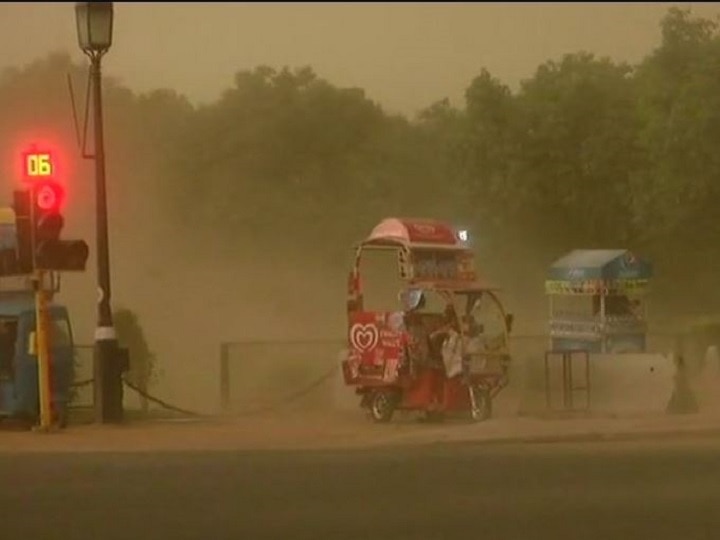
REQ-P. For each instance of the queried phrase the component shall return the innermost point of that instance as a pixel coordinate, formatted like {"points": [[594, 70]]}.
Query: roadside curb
{"points": [[590, 437]]}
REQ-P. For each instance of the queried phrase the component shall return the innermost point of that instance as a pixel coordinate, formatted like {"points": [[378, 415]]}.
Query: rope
{"points": [[267, 408], [160, 402], [292, 397]]}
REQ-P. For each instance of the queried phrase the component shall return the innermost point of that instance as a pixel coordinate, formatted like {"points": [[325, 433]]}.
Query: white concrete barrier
{"points": [[631, 383], [620, 384]]}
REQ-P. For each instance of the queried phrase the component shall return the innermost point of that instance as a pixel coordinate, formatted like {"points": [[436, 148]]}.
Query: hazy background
{"points": [[190, 287], [405, 55]]}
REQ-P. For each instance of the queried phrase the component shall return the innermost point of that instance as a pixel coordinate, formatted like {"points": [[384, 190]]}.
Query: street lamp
{"points": [[94, 30], [94, 26]]}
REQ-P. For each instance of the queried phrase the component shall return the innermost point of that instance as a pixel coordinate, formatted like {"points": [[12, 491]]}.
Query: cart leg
{"points": [[480, 403]]}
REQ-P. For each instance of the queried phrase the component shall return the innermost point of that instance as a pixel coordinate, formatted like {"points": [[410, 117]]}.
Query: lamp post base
{"points": [[109, 363]]}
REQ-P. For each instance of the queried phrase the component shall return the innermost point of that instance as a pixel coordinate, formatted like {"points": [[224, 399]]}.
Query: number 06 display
{"points": [[38, 165]]}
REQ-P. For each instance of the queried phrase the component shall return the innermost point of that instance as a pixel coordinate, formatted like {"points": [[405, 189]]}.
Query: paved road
{"points": [[581, 491]]}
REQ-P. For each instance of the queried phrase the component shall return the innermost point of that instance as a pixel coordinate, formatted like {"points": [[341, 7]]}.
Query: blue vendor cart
{"points": [[597, 301]]}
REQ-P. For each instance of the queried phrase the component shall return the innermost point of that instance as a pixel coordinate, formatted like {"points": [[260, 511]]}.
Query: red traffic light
{"points": [[49, 196]]}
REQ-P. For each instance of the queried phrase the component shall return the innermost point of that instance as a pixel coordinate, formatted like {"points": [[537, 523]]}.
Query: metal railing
{"points": [[269, 374], [82, 396], [264, 375]]}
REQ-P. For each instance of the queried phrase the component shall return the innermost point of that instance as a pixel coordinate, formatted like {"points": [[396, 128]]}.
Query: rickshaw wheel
{"points": [[381, 405], [482, 407]]}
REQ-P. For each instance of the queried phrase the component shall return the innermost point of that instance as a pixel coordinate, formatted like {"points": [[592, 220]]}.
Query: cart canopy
{"points": [[599, 264]]}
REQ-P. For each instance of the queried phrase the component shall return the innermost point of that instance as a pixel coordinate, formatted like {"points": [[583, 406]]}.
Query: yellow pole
{"points": [[42, 350]]}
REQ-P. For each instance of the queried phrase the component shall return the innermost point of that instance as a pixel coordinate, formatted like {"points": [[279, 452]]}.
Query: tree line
{"points": [[586, 153]]}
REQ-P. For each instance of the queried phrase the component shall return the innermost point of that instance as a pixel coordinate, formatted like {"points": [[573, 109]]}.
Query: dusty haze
{"points": [[406, 56]]}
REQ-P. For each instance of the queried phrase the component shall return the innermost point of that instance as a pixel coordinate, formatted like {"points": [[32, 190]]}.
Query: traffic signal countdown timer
{"points": [[39, 222], [38, 165]]}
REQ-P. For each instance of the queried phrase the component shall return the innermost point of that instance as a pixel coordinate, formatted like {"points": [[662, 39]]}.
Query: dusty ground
{"points": [[313, 430], [322, 476], [590, 490]]}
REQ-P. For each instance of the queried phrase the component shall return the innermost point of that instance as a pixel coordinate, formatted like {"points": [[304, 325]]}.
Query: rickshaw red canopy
{"points": [[414, 233]]}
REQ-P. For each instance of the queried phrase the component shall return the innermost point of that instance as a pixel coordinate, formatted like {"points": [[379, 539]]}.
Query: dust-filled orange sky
{"points": [[406, 55]]}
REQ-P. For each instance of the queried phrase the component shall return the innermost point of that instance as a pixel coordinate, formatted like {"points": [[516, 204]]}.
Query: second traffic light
{"points": [[38, 226], [52, 253]]}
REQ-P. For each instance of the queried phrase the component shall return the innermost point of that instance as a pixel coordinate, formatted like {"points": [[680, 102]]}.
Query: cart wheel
{"points": [[381, 406], [481, 408]]}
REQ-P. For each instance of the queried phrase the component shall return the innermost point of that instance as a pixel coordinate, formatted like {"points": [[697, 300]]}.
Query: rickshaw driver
{"points": [[458, 346], [448, 343], [426, 347], [449, 328], [442, 342], [412, 301], [423, 330]]}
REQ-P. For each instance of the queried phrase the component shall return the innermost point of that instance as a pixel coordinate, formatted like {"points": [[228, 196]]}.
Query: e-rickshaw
{"points": [[443, 349]]}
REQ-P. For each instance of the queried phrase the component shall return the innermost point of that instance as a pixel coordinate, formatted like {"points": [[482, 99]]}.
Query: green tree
{"points": [[285, 156], [484, 153], [576, 149], [675, 195], [490, 117], [680, 109]]}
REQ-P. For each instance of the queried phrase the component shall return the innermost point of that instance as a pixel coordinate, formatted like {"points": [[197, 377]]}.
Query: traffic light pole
{"points": [[41, 345], [108, 372], [42, 351]]}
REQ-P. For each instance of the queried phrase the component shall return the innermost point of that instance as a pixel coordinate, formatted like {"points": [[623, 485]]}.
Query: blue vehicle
{"points": [[19, 363], [19, 395]]}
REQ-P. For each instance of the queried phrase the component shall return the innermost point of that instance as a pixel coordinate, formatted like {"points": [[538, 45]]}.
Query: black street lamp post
{"points": [[94, 30]]}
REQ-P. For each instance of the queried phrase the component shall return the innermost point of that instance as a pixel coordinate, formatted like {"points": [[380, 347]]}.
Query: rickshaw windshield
{"points": [[483, 318], [422, 301]]}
